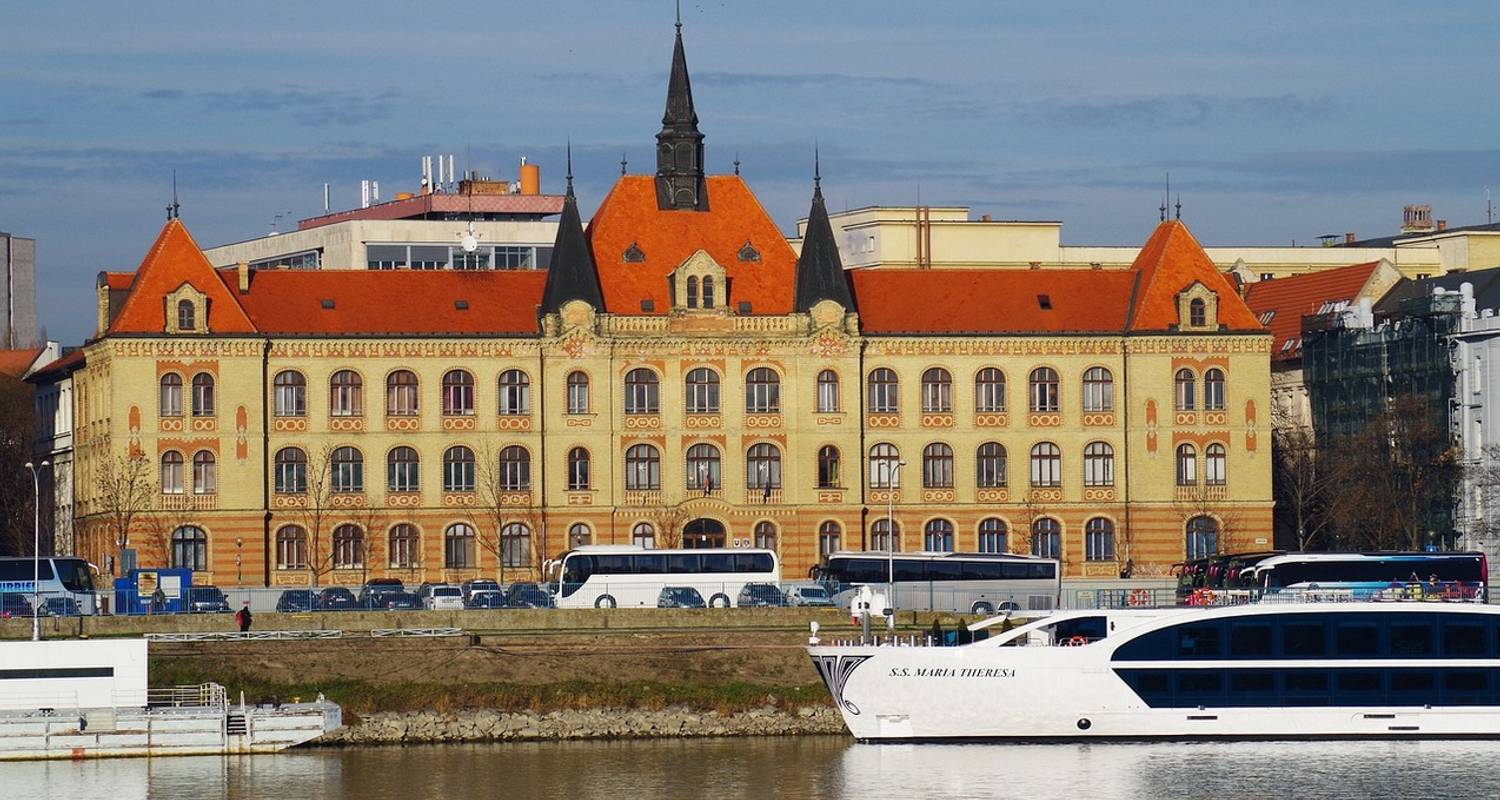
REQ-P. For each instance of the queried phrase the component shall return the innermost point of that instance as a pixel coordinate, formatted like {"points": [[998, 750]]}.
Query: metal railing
{"points": [[239, 636]]}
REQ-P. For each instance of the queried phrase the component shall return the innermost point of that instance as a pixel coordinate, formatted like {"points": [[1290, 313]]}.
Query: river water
{"points": [[804, 767]]}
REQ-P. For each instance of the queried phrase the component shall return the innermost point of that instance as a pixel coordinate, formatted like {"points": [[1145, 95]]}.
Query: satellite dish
{"points": [[469, 240]]}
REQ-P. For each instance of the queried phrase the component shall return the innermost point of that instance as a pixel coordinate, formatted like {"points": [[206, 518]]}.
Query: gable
{"points": [[1169, 263], [173, 266]]}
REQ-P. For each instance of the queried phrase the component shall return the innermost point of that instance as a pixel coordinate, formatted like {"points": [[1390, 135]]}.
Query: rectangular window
{"points": [[1303, 640], [429, 257], [1249, 640], [513, 257], [1198, 641], [1411, 640], [385, 256], [1357, 638]]}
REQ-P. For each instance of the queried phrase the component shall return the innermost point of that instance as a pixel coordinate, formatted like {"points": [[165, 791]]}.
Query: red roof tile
{"points": [[14, 363], [396, 302], [59, 367], [991, 300], [1290, 298], [175, 259], [1171, 261], [629, 216]]}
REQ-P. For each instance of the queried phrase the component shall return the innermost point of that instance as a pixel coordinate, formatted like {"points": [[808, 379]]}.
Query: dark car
{"points": [[17, 605], [479, 585], [61, 607], [294, 601], [398, 601], [206, 600], [485, 598], [680, 597], [527, 595], [336, 598], [368, 594], [762, 595]]}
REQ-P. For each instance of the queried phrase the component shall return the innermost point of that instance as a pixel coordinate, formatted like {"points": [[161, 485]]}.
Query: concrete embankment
{"points": [[600, 723]]}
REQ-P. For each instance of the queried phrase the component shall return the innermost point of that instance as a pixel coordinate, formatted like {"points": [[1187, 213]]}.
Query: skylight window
{"points": [[1265, 318], [1044, 301]]}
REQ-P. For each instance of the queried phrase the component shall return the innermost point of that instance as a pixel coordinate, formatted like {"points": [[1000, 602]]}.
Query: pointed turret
{"points": [[820, 271], [572, 275], [679, 145]]}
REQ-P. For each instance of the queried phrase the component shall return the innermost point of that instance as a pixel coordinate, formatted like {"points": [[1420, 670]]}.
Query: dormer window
{"points": [[633, 254], [186, 315], [1197, 308], [1197, 312], [185, 310], [708, 291], [692, 292], [748, 252]]}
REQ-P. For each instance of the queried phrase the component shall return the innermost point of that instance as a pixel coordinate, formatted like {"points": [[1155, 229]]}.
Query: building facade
{"points": [[18, 322], [680, 376]]}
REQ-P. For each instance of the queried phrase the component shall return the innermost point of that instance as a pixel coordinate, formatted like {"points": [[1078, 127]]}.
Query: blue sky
{"points": [[1277, 120]]}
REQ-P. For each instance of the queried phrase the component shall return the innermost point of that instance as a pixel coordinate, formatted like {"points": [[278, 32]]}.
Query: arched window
{"points": [[205, 476], [885, 466], [1099, 540], [829, 476], [1213, 390], [1098, 464], [1187, 465], [703, 468], [885, 535], [203, 395], [171, 472], [937, 391], [641, 396], [348, 547], [702, 389], [1202, 537], [291, 471], [458, 469], [346, 394], [403, 470], [830, 538], [708, 291], [763, 467], [989, 466], [642, 468], [291, 547], [348, 470], [515, 545], [1044, 392], [884, 391], [989, 391], [765, 535], [579, 535], [515, 469], [762, 391], [290, 395], [828, 392], [458, 546], [1046, 465], [578, 392], [190, 548], [170, 399], [1214, 464], [992, 536], [692, 291], [1046, 537], [186, 316], [1098, 390], [403, 546], [1184, 390], [401, 394], [515, 393], [937, 466], [1197, 312], [458, 393], [937, 536], [643, 535], [578, 470]]}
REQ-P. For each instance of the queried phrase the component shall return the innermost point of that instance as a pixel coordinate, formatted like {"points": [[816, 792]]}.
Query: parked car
{"points": [[816, 596], [61, 607], [400, 601], [527, 595], [486, 598], [206, 600], [479, 585], [335, 598], [14, 604], [444, 597], [760, 595], [680, 597], [295, 601], [378, 586]]}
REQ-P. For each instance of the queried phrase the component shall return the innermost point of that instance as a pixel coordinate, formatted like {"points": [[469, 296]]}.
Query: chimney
{"points": [[985, 218], [242, 271], [1442, 225], [1349, 238], [530, 178]]}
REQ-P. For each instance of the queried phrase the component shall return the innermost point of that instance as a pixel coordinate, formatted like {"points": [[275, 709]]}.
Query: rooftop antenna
{"points": [[736, 162], [818, 174], [275, 219], [469, 238], [1489, 208], [623, 162], [1179, 205], [679, 17], [174, 210], [1164, 198]]}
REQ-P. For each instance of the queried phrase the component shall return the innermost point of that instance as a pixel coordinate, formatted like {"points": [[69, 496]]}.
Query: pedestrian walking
{"points": [[243, 617]]}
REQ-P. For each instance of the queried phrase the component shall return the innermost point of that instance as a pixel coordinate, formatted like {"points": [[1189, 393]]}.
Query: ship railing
{"points": [[203, 695], [1394, 592]]}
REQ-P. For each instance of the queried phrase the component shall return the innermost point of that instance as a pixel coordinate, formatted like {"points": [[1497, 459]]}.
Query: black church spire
{"points": [[572, 275], [820, 271], [679, 145]]}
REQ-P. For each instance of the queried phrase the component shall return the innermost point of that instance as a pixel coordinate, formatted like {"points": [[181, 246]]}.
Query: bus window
{"points": [[753, 562], [605, 564], [1046, 571], [651, 564], [984, 570], [942, 570], [577, 569], [682, 564], [21, 569], [75, 575], [910, 570], [718, 562], [864, 570]]}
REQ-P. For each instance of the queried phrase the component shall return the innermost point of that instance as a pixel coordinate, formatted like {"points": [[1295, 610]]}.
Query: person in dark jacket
{"points": [[243, 617]]}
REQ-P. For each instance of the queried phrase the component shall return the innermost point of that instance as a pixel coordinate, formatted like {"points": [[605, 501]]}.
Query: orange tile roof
{"points": [[58, 367], [1292, 297], [1171, 261], [14, 363], [628, 215], [119, 281], [395, 302], [175, 259], [991, 300]]}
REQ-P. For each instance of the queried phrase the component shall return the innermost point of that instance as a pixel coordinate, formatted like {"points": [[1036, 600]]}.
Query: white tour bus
{"points": [[967, 583], [67, 585], [626, 576]]}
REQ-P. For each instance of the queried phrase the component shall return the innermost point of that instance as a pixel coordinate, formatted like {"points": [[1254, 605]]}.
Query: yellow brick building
{"points": [[680, 376]]}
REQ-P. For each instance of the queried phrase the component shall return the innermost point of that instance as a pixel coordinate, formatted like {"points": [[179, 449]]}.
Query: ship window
{"points": [[1359, 681], [1463, 639], [1465, 680], [1151, 681], [1411, 680], [1357, 638], [1303, 639], [1198, 641], [1199, 681], [1306, 682], [1250, 639], [1413, 640], [1252, 681]]}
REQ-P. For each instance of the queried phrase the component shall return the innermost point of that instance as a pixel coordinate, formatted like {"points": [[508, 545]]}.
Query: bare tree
{"points": [[669, 523], [314, 510], [125, 489], [1299, 484], [492, 513], [17, 432]]}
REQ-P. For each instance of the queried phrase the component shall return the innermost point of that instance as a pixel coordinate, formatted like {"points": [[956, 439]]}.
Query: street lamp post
{"points": [[239, 575], [36, 549]]}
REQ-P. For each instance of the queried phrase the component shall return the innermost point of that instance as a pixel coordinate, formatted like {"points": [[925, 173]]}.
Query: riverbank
{"points": [[423, 727]]}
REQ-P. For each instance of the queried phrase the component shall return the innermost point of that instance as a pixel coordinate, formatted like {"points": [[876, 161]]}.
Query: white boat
{"points": [[1261, 671], [89, 698]]}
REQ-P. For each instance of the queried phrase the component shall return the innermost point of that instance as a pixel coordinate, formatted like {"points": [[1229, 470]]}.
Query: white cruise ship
{"points": [[1267, 670]]}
